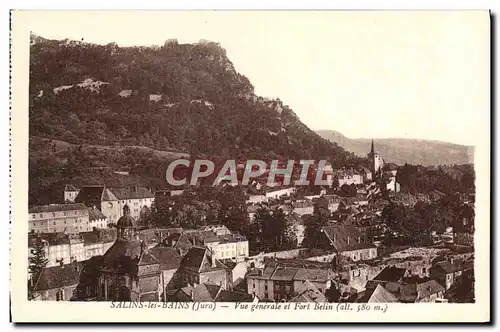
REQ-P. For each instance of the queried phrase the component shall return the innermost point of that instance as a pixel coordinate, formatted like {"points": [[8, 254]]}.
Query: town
{"points": [[373, 235]]}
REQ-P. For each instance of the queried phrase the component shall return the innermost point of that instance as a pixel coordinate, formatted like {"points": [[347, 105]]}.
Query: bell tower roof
{"points": [[372, 151]]}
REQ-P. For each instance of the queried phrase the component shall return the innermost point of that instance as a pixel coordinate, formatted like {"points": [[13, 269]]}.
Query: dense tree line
{"points": [[418, 222], [447, 179], [203, 205]]}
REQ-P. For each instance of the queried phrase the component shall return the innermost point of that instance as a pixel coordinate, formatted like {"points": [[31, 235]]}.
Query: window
{"points": [[53, 214], [60, 295], [34, 216], [254, 285], [265, 287], [41, 215], [54, 222]]}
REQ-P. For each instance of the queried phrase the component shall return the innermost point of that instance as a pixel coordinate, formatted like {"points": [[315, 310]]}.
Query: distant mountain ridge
{"points": [[404, 150]]}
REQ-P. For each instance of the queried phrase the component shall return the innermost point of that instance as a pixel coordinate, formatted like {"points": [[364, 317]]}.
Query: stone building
{"points": [[69, 218], [110, 201], [130, 272]]}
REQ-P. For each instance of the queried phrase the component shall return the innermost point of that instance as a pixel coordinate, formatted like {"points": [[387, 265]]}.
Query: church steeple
{"points": [[372, 151]]}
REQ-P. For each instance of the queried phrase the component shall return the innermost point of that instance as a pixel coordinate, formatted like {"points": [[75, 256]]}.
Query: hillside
{"points": [[401, 151], [184, 97], [104, 106]]}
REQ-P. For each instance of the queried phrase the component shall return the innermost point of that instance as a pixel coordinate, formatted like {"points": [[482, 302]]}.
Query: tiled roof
{"points": [[381, 295], [90, 195], [406, 293], [197, 293], [315, 275], [90, 238], [168, 257], [107, 195], [125, 193], [429, 288], [70, 187], [57, 208], [150, 297], [148, 259], [98, 236], [193, 260], [448, 267], [345, 238], [123, 257], [307, 292], [183, 241], [95, 214], [391, 273], [59, 276], [284, 274], [53, 239], [300, 263], [288, 273], [231, 238], [233, 296]]}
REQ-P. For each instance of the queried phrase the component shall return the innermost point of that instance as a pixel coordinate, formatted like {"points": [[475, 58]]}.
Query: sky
{"points": [[365, 74]]}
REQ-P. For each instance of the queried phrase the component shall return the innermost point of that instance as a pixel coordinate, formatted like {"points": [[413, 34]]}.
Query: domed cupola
{"points": [[126, 226]]}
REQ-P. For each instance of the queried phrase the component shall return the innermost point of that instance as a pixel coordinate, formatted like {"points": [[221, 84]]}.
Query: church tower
{"points": [[129, 272], [376, 161]]}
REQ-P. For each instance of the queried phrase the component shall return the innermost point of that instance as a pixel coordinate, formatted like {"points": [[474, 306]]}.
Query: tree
{"points": [[278, 229], [145, 217], [313, 225], [348, 190], [332, 293], [36, 262]]}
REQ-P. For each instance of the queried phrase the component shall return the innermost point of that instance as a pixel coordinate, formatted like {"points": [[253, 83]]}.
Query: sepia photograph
{"points": [[252, 166]]}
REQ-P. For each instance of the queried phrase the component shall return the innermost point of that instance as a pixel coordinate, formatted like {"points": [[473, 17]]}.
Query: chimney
{"points": [[61, 263]]}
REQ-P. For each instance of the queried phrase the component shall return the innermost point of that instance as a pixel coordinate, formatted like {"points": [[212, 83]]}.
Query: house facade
{"points": [[199, 266], [280, 280], [70, 218], [451, 272], [97, 219], [60, 248], [232, 246], [346, 240], [70, 193], [110, 201], [58, 283]]}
